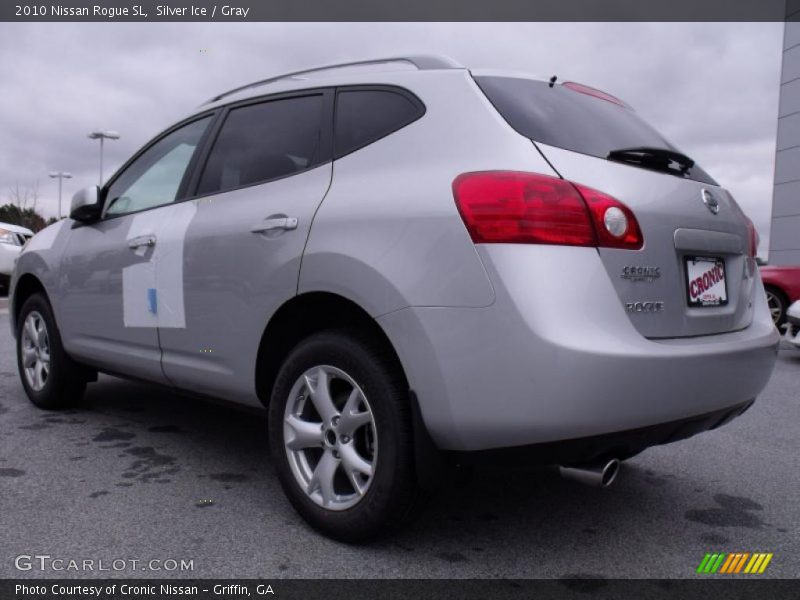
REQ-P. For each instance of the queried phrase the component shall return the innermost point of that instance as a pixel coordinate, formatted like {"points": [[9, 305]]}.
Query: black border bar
{"points": [[709, 587], [397, 10]]}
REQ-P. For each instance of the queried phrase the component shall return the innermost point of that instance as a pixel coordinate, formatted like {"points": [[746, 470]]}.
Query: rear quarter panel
{"points": [[388, 234]]}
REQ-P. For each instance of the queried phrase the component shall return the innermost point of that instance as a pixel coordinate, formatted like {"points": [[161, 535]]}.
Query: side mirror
{"points": [[86, 205]]}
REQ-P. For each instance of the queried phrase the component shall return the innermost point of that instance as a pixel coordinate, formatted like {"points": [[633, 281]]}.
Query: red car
{"points": [[782, 284]]}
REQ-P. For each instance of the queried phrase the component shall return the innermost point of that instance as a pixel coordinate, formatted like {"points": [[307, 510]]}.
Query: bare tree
{"points": [[21, 210], [24, 197]]}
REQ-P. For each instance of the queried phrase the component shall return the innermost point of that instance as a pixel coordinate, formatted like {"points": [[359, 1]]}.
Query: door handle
{"points": [[286, 223], [142, 241]]}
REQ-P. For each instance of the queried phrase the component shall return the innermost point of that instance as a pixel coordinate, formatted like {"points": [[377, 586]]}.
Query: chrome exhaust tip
{"points": [[601, 474]]}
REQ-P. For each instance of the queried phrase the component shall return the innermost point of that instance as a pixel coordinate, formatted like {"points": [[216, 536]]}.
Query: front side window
{"points": [[265, 141], [154, 178]]}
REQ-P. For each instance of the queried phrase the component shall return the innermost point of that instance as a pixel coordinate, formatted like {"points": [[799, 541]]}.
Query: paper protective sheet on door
{"points": [[152, 290]]}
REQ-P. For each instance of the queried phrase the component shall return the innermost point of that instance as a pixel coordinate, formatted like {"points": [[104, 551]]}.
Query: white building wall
{"points": [[784, 245]]}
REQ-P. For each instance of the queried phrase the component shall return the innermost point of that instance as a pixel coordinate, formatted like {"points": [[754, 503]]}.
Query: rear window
{"points": [[561, 117], [365, 116]]}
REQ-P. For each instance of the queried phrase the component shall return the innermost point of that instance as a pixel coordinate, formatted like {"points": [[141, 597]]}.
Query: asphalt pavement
{"points": [[139, 473]]}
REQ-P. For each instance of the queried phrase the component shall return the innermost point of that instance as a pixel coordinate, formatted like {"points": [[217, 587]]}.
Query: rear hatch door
{"points": [[694, 274]]}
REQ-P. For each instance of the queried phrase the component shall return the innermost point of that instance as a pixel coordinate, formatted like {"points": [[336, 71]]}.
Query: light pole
{"points": [[103, 135], [61, 175]]}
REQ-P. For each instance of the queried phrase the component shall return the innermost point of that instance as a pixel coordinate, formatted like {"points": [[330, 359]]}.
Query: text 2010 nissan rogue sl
{"points": [[409, 262]]}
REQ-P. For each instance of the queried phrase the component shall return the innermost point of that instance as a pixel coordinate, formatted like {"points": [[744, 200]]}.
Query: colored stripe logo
{"points": [[735, 562]]}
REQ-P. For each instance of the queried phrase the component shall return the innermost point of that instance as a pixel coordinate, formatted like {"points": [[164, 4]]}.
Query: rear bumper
{"points": [[619, 444], [556, 358]]}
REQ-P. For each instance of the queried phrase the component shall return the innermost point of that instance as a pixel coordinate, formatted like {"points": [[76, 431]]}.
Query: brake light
{"points": [[753, 237], [594, 92], [527, 208]]}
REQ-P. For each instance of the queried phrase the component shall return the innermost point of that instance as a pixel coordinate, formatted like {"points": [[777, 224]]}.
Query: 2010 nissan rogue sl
{"points": [[409, 263]]}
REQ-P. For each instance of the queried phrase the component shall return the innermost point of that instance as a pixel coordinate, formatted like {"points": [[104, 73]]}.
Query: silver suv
{"points": [[408, 264]]}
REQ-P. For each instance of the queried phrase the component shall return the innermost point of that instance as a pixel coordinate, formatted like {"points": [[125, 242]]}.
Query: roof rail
{"points": [[422, 62]]}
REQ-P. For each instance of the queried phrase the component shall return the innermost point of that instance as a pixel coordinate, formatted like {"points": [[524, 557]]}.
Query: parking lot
{"points": [[137, 472]]}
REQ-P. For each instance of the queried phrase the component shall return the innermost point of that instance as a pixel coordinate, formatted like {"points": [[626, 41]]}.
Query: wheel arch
{"points": [[776, 287], [303, 315], [27, 285]]}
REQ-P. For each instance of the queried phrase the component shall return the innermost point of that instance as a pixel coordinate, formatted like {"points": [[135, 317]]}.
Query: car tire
{"points": [[776, 301], [317, 470], [51, 379]]}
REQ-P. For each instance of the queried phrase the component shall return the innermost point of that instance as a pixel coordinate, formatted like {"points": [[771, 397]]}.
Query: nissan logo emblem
{"points": [[710, 201]]}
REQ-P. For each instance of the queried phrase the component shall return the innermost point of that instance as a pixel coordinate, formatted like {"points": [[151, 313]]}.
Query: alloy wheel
{"points": [[775, 306], [330, 437], [35, 348]]}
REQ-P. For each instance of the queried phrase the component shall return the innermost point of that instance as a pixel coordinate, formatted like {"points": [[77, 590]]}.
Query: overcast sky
{"points": [[711, 88]]}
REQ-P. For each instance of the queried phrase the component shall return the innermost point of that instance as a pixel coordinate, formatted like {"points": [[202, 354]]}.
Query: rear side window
{"points": [[365, 116], [561, 117], [266, 141]]}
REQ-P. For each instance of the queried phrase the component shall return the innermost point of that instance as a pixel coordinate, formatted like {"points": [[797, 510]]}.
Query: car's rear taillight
{"points": [[528, 208], [752, 237]]}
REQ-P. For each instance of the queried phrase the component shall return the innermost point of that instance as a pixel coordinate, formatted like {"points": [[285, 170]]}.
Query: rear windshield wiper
{"points": [[661, 159]]}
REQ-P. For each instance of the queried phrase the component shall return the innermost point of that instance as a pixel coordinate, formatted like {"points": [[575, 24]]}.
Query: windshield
{"points": [[561, 117]]}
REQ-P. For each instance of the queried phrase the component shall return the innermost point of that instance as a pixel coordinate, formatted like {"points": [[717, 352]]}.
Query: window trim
{"points": [[409, 95], [187, 189], [326, 137], [182, 187]]}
